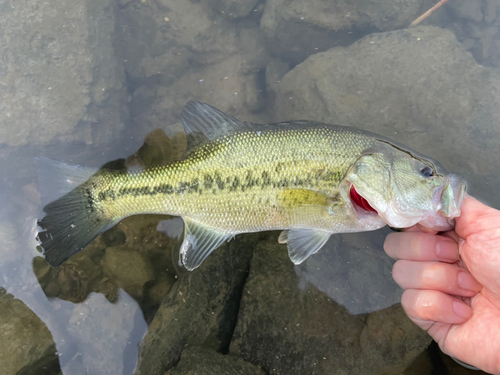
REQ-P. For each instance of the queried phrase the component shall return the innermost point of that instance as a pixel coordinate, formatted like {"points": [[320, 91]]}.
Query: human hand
{"points": [[456, 301]]}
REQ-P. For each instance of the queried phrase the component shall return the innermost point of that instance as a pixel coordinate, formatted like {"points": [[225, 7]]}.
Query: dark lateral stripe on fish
{"points": [[233, 183]]}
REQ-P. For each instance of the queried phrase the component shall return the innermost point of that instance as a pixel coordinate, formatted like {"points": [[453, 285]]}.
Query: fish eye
{"points": [[426, 171]]}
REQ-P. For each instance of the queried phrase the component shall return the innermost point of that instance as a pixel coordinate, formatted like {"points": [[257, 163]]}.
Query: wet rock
{"points": [[475, 25], [106, 334], [417, 86], [158, 148], [233, 8], [129, 268], [200, 309], [298, 29], [421, 365], [60, 78], [166, 37], [76, 278], [467, 9], [27, 345], [289, 331], [228, 86], [202, 361], [275, 71], [176, 51]]}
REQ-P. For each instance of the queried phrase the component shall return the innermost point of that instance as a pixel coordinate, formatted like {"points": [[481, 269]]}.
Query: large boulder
{"points": [[202, 361], [298, 28], [60, 79], [27, 345], [200, 309], [286, 330]]}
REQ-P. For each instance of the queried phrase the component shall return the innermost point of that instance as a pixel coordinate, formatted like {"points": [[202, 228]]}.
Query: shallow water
{"points": [[86, 82]]}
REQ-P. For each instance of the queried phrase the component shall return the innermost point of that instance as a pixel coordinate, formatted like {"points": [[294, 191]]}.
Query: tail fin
{"points": [[71, 221]]}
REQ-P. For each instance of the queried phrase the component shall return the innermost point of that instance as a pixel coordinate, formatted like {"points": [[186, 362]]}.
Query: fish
{"points": [[307, 179]]}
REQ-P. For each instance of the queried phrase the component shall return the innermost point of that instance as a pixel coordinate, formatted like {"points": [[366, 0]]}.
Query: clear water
{"points": [[86, 83]]}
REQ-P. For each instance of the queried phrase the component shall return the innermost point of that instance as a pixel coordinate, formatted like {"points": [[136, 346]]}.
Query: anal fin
{"points": [[302, 243], [199, 242]]}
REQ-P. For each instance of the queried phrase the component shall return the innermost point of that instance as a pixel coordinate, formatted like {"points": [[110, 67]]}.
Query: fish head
{"points": [[405, 189]]}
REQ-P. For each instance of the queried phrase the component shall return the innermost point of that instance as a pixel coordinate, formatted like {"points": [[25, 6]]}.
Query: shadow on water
{"points": [[92, 92]]}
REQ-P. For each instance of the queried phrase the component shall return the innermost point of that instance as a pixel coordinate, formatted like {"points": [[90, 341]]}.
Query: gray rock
{"points": [[298, 28], [234, 8], [289, 331], [27, 345], [129, 268], [202, 361], [200, 309], [165, 37], [106, 335], [417, 86], [467, 9], [59, 76], [275, 71], [176, 51], [228, 86]]}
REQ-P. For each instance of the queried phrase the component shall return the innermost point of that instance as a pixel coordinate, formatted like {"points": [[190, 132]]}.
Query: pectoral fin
{"points": [[303, 242], [199, 242]]}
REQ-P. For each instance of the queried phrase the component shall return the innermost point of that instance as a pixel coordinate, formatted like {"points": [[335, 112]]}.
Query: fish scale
{"points": [[315, 159]]}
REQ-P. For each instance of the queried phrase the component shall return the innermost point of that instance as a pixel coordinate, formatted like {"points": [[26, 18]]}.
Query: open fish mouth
{"points": [[359, 201], [446, 201]]}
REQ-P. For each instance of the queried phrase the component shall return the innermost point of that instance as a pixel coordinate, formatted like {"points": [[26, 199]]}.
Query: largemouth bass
{"points": [[308, 179]]}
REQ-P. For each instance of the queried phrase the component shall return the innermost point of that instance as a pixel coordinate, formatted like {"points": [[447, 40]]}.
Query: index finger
{"points": [[421, 247]]}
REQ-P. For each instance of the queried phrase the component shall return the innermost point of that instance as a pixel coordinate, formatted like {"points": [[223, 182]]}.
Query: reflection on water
{"points": [[86, 82], [352, 270]]}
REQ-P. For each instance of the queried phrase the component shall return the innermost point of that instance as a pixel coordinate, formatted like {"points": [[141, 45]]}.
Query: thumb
{"points": [[476, 217]]}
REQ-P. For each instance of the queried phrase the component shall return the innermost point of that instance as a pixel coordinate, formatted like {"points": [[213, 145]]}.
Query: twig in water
{"points": [[428, 13]]}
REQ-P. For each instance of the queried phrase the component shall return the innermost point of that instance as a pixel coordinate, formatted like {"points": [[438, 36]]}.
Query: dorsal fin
{"points": [[202, 118]]}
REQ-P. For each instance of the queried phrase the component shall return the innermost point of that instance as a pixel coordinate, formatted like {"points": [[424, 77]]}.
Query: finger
{"points": [[439, 276], [434, 306], [474, 215], [421, 246], [452, 235]]}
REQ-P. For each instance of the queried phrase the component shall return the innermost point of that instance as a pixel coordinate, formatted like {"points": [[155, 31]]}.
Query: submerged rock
{"points": [[233, 8], [476, 25], [27, 345], [176, 51], [200, 309], [300, 28], [60, 79], [289, 331], [202, 361], [129, 268], [417, 86]]}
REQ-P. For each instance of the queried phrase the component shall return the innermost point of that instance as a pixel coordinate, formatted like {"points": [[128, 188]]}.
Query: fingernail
{"points": [[467, 282], [462, 310], [447, 250]]}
